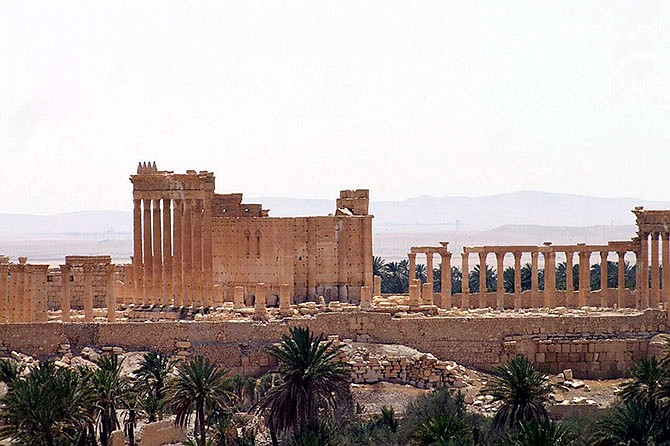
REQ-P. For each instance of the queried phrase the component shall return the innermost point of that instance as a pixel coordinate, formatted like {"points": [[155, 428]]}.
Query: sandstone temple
{"points": [[220, 277]]}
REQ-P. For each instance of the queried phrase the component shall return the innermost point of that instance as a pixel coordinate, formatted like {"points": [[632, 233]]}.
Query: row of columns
{"points": [[172, 262], [88, 270], [649, 282], [549, 257], [23, 295], [445, 272]]}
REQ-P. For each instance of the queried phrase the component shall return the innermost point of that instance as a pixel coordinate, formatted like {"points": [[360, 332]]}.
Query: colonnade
{"points": [[444, 298], [23, 295], [172, 262], [658, 242], [550, 295]]}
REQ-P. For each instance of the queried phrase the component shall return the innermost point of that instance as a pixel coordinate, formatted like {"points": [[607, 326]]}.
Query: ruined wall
{"points": [[54, 287], [319, 255], [481, 342]]}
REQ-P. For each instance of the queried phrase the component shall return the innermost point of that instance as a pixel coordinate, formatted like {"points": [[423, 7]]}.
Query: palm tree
{"points": [[132, 402], [396, 277], [437, 280], [631, 425], [200, 387], [49, 406], [314, 379], [491, 279], [542, 433], [630, 275], [508, 279], [522, 389], [456, 280], [152, 375], [378, 264], [444, 430], [420, 272], [109, 387], [649, 377], [10, 370]]}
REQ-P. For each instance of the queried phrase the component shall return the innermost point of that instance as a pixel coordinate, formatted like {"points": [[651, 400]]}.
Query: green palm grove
{"points": [[395, 276], [306, 400]]}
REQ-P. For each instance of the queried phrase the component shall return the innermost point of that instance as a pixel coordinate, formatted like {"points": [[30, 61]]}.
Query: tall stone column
{"points": [[168, 294], [638, 279], [66, 296], [197, 254], [500, 284], [187, 249], [158, 253], [178, 284], [429, 267], [445, 279], [621, 279], [655, 279], [28, 295], [343, 242], [483, 289], [4, 279], [88, 292], [534, 286], [110, 279], [16, 294], [549, 279], [311, 260], [128, 280], [12, 285], [644, 269], [584, 276], [148, 276], [207, 253], [138, 269], [412, 266], [20, 302], [666, 267], [604, 292], [40, 293], [366, 223], [465, 281], [517, 279]]}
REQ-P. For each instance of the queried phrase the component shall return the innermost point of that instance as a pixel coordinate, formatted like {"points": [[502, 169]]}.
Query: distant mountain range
{"points": [[424, 213]]}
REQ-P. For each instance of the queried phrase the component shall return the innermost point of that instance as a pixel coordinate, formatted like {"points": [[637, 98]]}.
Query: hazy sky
{"points": [[306, 98]]}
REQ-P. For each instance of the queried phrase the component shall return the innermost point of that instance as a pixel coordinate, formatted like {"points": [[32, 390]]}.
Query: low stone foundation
{"points": [[601, 345]]}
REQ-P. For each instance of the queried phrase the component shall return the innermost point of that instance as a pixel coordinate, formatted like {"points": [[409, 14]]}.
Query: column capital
{"points": [[483, 255]]}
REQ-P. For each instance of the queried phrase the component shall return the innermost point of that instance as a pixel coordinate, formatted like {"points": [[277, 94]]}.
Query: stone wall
{"points": [[319, 256], [480, 342]]}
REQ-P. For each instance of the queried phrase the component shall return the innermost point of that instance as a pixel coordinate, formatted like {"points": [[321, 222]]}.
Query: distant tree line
{"points": [[395, 276]]}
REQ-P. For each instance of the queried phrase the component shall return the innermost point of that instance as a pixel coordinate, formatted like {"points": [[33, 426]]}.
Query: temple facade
{"points": [[194, 247]]}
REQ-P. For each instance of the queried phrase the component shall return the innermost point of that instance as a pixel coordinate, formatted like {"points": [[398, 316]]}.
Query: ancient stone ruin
{"points": [[226, 278]]}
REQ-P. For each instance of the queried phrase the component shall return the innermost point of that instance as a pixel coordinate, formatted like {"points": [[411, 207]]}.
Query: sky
{"points": [[304, 98]]}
